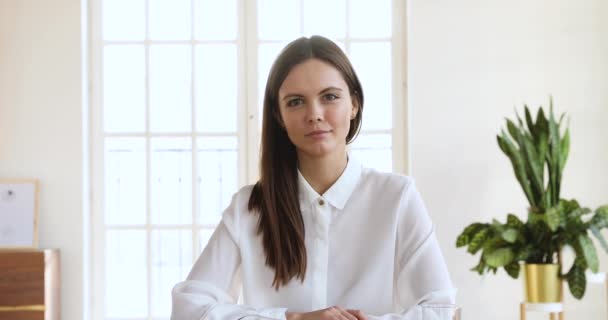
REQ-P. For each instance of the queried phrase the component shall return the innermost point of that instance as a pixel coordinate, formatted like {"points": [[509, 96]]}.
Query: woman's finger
{"points": [[346, 314], [357, 314], [341, 314]]}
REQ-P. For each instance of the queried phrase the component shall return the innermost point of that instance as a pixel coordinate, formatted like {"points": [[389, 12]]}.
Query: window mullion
{"points": [[400, 133], [96, 265], [347, 29], [148, 160], [251, 76], [242, 112], [195, 163]]}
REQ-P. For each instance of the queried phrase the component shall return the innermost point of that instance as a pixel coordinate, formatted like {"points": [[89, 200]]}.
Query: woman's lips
{"points": [[317, 134]]}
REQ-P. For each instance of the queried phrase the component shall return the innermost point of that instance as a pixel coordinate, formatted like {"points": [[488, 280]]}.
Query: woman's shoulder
{"points": [[374, 177], [244, 192], [240, 200], [235, 214]]}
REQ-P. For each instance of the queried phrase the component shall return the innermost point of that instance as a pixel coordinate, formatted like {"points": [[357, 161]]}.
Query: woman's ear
{"points": [[354, 110]]}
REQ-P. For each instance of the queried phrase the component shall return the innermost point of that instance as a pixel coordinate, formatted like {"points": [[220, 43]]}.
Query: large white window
{"points": [[176, 95]]}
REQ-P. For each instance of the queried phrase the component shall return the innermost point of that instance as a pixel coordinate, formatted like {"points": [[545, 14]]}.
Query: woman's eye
{"points": [[331, 97], [294, 102]]}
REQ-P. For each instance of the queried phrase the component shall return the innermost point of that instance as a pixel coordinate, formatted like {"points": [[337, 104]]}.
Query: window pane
{"points": [[267, 52], [325, 17], [170, 88], [124, 20], [171, 181], [216, 88], [215, 19], [171, 263], [205, 235], [278, 19], [126, 274], [372, 62], [374, 151], [218, 176], [125, 181], [370, 19], [124, 88], [170, 19]]}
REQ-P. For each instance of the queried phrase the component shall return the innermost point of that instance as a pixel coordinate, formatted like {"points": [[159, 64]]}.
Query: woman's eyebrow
{"points": [[292, 95], [297, 95], [330, 89]]}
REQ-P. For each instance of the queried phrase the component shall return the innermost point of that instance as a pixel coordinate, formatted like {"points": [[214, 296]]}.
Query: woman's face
{"points": [[316, 108]]}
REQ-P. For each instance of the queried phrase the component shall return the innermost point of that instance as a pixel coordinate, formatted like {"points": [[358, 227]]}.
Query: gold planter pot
{"points": [[542, 283]]}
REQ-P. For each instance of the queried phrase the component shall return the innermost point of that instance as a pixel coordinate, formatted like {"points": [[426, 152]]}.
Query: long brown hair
{"points": [[275, 195]]}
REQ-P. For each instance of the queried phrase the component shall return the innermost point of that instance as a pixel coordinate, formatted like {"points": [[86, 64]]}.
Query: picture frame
{"points": [[19, 213]]}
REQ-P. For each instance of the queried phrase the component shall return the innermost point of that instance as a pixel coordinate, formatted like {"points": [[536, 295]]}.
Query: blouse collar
{"points": [[339, 192]]}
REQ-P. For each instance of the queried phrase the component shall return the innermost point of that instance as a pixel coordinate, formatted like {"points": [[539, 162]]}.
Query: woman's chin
{"points": [[319, 151]]}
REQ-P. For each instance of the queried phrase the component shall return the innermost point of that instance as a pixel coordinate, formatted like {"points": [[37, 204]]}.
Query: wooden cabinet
{"points": [[29, 284]]}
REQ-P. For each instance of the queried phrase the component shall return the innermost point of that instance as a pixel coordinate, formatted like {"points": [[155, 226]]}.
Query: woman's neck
{"points": [[322, 173]]}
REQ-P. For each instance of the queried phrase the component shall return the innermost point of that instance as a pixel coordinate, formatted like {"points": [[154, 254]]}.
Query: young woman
{"points": [[318, 236]]}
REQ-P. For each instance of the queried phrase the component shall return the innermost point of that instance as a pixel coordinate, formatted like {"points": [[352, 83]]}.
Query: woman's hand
{"points": [[332, 313]]}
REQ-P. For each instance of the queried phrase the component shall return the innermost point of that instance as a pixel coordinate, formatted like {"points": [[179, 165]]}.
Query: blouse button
{"points": [[321, 202]]}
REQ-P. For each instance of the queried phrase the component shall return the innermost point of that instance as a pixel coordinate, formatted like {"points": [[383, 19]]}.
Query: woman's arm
{"points": [[421, 274], [212, 287]]}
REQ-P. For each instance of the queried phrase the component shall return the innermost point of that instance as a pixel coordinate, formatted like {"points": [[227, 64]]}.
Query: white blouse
{"points": [[370, 245]]}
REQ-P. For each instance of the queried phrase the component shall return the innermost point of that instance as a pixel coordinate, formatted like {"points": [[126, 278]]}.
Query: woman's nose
{"points": [[315, 113]]}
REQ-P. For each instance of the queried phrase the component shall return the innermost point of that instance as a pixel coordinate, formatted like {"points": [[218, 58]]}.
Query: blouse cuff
{"points": [[273, 313]]}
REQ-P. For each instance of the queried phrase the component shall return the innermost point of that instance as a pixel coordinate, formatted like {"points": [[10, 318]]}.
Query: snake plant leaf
{"points": [[600, 238], [542, 144], [565, 149], [513, 269], [478, 240], [554, 154], [561, 119], [499, 257], [510, 235], [503, 144], [588, 251], [517, 162], [514, 132], [536, 165], [577, 282], [519, 121], [542, 125], [548, 197], [530, 122], [465, 237]]}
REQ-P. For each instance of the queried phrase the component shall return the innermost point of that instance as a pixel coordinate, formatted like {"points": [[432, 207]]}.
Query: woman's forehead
{"points": [[312, 76]]}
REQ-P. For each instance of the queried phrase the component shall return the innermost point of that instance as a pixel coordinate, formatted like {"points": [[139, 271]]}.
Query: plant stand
{"points": [[599, 278], [555, 310]]}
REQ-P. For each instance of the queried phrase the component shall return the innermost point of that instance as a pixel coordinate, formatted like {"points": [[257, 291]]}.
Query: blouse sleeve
{"points": [[212, 288], [421, 274]]}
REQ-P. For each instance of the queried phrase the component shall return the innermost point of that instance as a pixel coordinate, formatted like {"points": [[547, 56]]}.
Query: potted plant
{"points": [[538, 150]]}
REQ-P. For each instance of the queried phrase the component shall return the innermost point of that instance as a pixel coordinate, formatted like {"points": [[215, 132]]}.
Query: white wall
{"points": [[40, 124], [470, 63]]}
